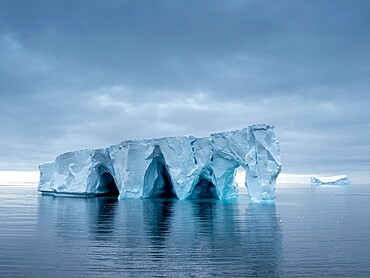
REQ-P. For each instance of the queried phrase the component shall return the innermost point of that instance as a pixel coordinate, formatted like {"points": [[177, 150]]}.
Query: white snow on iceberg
{"points": [[333, 180], [183, 167]]}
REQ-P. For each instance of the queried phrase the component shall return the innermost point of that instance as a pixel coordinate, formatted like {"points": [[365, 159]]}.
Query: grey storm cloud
{"points": [[87, 74]]}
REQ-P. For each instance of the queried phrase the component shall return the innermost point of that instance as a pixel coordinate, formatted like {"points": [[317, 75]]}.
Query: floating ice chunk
{"points": [[333, 180], [183, 167]]}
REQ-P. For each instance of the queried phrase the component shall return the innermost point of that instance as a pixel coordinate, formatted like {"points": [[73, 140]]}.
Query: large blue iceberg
{"points": [[184, 167]]}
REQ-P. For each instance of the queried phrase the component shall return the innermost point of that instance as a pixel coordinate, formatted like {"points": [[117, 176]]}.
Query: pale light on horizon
{"points": [[19, 177], [32, 177]]}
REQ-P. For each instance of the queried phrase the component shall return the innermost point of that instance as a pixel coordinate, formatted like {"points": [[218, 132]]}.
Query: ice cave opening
{"points": [[204, 189], [157, 180], [162, 186], [107, 186]]}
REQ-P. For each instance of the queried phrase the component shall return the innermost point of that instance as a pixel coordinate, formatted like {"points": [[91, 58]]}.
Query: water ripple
{"points": [[311, 233]]}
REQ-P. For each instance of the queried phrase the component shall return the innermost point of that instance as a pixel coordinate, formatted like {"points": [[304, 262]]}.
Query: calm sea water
{"points": [[307, 232]]}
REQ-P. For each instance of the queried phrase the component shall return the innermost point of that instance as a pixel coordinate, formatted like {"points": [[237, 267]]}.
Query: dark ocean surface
{"points": [[307, 232]]}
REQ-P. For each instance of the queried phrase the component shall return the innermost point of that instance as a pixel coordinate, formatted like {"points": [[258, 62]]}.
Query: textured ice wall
{"points": [[183, 167]]}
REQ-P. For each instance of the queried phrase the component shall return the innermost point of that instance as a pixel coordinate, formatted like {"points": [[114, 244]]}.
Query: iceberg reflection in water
{"points": [[160, 236], [96, 237]]}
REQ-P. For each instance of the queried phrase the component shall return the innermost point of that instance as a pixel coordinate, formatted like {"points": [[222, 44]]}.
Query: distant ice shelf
{"points": [[333, 180], [183, 167]]}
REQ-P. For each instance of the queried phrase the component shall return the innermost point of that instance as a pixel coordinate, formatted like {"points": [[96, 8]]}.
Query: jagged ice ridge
{"points": [[183, 167]]}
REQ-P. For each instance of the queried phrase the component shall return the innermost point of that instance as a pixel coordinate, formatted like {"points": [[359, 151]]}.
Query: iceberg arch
{"points": [[183, 167], [204, 189], [106, 184], [157, 181]]}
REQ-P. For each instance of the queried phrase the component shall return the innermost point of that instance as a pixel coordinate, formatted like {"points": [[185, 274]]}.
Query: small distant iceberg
{"points": [[333, 180]]}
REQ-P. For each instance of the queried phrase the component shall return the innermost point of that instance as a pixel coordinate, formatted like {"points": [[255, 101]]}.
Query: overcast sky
{"points": [[88, 74]]}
